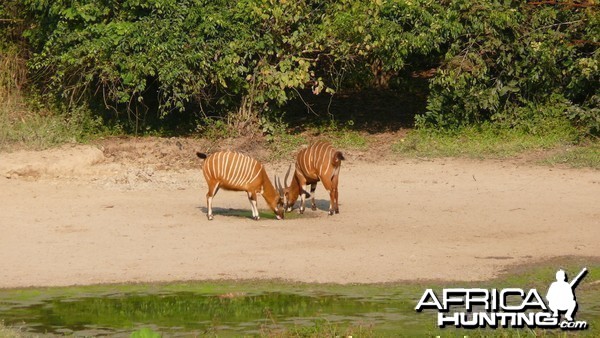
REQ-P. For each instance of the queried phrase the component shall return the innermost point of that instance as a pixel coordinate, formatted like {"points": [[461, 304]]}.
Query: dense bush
{"points": [[500, 61], [516, 64]]}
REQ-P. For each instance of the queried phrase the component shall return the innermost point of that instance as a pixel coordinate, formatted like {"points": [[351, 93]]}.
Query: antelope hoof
{"points": [[301, 210], [256, 218], [210, 217], [337, 211], [313, 207], [330, 212]]}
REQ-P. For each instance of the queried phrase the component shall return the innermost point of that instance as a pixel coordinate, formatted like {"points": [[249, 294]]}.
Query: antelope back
{"points": [[233, 170], [318, 160]]}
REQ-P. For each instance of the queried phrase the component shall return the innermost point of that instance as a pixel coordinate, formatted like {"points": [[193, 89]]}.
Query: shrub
{"points": [[516, 57]]}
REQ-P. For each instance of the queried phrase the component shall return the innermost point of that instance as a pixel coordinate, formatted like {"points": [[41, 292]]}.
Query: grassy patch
{"points": [[284, 145], [348, 139], [486, 141], [587, 156], [341, 135], [23, 129], [10, 332]]}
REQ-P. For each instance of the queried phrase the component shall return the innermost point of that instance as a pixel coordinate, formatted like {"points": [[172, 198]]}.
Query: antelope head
{"points": [[280, 211], [284, 190]]}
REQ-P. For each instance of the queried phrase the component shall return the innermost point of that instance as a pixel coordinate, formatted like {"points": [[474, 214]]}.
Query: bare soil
{"points": [[133, 210]]}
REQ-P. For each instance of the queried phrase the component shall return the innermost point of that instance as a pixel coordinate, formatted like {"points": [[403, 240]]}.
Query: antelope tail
{"points": [[201, 155]]}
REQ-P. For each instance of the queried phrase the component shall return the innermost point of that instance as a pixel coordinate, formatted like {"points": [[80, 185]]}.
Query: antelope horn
{"points": [[278, 185], [286, 177]]}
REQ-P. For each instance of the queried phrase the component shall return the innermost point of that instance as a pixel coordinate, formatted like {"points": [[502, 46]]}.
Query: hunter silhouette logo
{"points": [[561, 294], [509, 307]]}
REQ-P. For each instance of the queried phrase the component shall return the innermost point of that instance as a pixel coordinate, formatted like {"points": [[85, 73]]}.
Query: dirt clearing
{"points": [[134, 211]]}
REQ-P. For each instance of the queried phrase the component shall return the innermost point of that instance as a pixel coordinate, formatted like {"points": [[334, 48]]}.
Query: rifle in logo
{"points": [[561, 294]]}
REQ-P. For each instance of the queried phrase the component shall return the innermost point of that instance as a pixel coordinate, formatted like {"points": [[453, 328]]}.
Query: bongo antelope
{"points": [[238, 172], [317, 162]]}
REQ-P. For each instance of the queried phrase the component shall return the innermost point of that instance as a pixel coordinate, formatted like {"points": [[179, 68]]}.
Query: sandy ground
{"points": [[111, 214]]}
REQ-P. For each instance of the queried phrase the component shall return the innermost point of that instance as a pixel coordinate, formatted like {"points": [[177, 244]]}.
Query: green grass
{"points": [[348, 139], [341, 135], [560, 147], [283, 145], [22, 129], [586, 156], [486, 141]]}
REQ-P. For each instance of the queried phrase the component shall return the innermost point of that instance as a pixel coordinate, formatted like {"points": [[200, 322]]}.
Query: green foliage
{"points": [[513, 57], [216, 128], [236, 55], [587, 116], [236, 61], [12, 55], [164, 56]]}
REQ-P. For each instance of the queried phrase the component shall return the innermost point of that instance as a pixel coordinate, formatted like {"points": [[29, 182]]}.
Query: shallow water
{"points": [[186, 312], [242, 308]]}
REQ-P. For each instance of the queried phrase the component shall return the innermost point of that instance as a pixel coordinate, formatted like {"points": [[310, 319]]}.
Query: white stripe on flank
{"points": [[235, 164], [245, 170], [304, 161], [218, 165], [222, 157], [328, 159], [206, 168], [257, 173], [211, 166], [322, 151], [239, 163], [250, 171], [228, 165]]}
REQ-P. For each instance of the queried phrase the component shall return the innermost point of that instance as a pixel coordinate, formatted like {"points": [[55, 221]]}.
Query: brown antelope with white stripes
{"points": [[317, 162], [238, 172]]}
